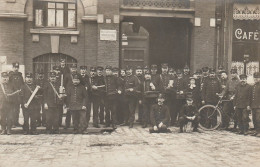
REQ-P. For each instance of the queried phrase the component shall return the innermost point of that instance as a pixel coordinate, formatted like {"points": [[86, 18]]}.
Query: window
{"points": [[55, 14]]}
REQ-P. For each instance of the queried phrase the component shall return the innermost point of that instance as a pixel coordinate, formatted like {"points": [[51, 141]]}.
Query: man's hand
{"points": [[140, 101], [160, 125], [25, 105], [119, 92], [84, 108], [155, 128], [94, 87], [192, 118], [235, 107], [188, 118], [153, 87], [203, 102], [131, 89], [181, 92], [86, 88], [46, 106]]}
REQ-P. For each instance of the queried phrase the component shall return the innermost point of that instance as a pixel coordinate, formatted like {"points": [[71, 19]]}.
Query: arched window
{"points": [[45, 62]]}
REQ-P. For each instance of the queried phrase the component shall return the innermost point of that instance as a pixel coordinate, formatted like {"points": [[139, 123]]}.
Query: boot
{"points": [[114, 126], [8, 132]]}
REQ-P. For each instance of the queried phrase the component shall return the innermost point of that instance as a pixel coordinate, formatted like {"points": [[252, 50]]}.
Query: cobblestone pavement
{"points": [[130, 147]]}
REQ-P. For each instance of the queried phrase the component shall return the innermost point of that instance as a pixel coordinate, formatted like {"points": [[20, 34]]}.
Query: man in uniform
{"points": [[149, 97], [242, 101], [160, 116], [77, 100], [52, 100], [223, 78], [189, 113], [30, 111], [100, 76], [205, 76], [115, 72], [139, 74], [172, 72], [154, 76], [86, 84], [132, 92], [112, 89], [97, 95], [210, 90], [255, 104], [6, 103], [16, 80], [228, 94], [121, 98], [186, 74], [63, 68]]}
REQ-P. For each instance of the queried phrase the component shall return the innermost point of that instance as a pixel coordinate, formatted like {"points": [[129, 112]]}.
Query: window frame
{"points": [[43, 5]]}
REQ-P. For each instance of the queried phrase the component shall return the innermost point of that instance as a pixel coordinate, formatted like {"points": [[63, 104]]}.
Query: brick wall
{"points": [[11, 40], [108, 51], [204, 37]]}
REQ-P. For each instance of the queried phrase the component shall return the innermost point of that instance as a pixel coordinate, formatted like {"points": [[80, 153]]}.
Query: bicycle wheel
{"points": [[210, 117]]}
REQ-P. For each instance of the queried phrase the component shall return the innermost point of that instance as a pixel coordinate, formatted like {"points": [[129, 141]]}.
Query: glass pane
{"points": [[38, 17], [71, 19], [59, 18], [51, 5], [51, 17], [71, 6], [59, 5]]}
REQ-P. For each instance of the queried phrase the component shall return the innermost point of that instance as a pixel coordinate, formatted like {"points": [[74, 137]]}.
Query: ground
{"points": [[130, 147]]}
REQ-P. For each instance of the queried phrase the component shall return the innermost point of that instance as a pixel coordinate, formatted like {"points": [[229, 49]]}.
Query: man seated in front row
{"points": [[160, 116], [189, 113]]}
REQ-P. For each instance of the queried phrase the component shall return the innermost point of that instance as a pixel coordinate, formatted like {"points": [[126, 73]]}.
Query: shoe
{"points": [[66, 127], [102, 122], [107, 126], [75, 131], [125, 124], [114, 126], [196, 130], [96, 126], [246, 133], [3, 132], [131, 125], [144, 126], [26, 133], [240, 132], [48, 132], [254, 134], [18, 125], [34, 133], [258, 135], [85, 132], [56, 132], [13, 126], [181, 131], [8, 132]]}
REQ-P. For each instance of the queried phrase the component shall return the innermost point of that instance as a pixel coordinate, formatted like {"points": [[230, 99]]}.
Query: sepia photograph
{"points": [[129, 83]]}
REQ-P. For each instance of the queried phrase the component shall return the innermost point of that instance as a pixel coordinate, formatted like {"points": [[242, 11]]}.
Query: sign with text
{"points": [[246, 31], [108, 35]]}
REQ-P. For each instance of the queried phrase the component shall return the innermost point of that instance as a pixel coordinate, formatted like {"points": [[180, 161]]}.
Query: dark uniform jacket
{"points": [[195, 92], [121, 81], [164, 81], [50, 97], [98, 81], [132, 82], [242, 96], [147, 90], [186, 78], [210, 87], [86, 82], [6, 101], [156, 80], [16, 80], [255, 96], [189, 111], [230, 88], [64, 70], [159, 113], [112, 85], [76, 97], [68, 80], [41, 83], [203, 80], [27, 90], [180, 85]]}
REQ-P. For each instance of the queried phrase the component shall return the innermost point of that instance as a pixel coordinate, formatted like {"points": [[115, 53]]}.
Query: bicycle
{"points": [[211, 115]]}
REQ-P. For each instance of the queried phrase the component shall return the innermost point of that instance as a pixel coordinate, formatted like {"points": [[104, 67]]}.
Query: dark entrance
{"points": [[169, 39]]}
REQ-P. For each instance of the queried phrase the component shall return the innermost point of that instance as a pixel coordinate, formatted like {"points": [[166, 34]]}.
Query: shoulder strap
{"points": [[29, 88], [55, 91], [2, 86]]}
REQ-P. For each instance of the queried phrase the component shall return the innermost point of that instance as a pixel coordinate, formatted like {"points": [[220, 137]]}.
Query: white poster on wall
{"points": [[108, 35]]}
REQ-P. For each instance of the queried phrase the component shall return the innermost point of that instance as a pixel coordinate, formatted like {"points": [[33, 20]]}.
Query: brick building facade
{"points": [[38, 32]]}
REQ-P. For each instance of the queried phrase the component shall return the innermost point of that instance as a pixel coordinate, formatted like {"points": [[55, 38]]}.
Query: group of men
{"points": [[171, 98]]}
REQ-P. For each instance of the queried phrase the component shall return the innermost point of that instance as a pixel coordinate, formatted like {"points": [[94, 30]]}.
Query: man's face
{"points": [[171, 73], [92, 73], [28, 80], [205, 73], [108, 72], [145, 70], [223, 75], [62, 64], [233, 75], [15, 69], [122, 73], [99, 72], [164, 70], [75, 81], [189, 102], [116, 73], [83, 71], [53, 79], [138, 72], [186, 70], [160, 101], [5, 79], [192, 81], [147, 77], [212, 75], [243, 81], [153, 71], [179, 75], [40, 76], [73, 69], [129, 72]]}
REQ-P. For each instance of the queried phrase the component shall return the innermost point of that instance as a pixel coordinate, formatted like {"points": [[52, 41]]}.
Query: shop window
{"points": [[55, 13]]}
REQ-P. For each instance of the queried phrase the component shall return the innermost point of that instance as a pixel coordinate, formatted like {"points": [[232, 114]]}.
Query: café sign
{"points": [[241, 34]]}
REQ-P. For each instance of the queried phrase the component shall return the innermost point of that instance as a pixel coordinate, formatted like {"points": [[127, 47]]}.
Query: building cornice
{"points": [[89, 18], [13, 15]]}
